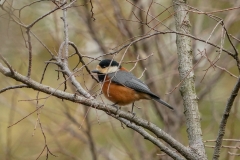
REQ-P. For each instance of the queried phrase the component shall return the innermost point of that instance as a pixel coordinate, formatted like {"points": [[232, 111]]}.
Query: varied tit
{"points": [[122, 87]]}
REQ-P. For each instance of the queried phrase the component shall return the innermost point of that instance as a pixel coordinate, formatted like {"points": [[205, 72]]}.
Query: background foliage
{"points": [[113, 23]]}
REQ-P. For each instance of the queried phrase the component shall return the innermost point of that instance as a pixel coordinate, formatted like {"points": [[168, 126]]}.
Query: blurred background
{"points": [[74, 131]]}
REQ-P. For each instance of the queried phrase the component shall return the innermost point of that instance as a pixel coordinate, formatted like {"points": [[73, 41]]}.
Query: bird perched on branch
{"points": [[122, 87]]}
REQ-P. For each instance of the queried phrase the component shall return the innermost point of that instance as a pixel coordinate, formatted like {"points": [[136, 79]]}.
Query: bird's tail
{"points": [[162, 102]]}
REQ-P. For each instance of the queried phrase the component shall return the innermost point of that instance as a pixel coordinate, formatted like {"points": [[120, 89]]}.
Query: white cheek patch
{"points": [[111, 69]]}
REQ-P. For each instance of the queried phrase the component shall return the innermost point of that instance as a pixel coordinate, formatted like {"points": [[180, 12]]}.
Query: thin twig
{"points": [[8, 65], [13, 87], [233, 154], [92, 10], [184, 77], [222, 10], [33, 23], [223, 146], [167, 32], [81, 60], [29, 52], [234, 38], [49, 51], [231, 140], [26, 116]]}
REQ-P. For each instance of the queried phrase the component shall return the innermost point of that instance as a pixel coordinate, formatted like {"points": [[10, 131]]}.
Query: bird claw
{"points": [[118, 108], [134, 114]]}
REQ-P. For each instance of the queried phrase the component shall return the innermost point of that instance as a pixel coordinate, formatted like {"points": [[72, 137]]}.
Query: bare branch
{"points": [[231, 140], [233, 154], [222, 10], [149, 137], [6, 62], [81, 60], [29, 53], [186, 152], [13, 87], [26, 116], [224, 120], [172, 32], [33, 23], [186, 74]]}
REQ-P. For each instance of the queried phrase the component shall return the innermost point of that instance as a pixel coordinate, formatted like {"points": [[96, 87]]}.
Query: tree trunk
{"points": [[187, 89]]}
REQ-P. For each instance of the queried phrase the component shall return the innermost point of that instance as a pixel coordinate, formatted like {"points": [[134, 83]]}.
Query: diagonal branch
{"points": [[6, 62], [33, 23], [81, 60], [151, 138], [223, 123], [184, 151]]}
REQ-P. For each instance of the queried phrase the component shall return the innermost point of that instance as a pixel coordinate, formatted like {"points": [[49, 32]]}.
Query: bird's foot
{"points": [[134, 114], [118, 108], [137, 107], [133, 104]]}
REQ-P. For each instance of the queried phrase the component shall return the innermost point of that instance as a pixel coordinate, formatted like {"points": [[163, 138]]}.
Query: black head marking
{"points": [[101, 77], [108, 62]]}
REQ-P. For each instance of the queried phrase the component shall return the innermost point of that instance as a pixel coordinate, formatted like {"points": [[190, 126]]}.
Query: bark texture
{"points": [[187, 89]]}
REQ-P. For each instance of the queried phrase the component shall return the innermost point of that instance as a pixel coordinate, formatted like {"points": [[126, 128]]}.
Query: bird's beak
{"points": [[95, 71]]}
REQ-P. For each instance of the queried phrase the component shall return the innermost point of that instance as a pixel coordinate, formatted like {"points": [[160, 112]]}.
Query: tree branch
{"points": [[172, 32], [150, 138], [13, 87], [184, 151], [187, 89], [223, 123]]}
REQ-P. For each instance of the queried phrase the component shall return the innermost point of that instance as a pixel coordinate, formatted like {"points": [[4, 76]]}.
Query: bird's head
{"points": [[107, 66]]}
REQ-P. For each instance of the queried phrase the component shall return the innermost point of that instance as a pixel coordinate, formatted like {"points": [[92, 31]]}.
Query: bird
{"points": [[121, 87]]}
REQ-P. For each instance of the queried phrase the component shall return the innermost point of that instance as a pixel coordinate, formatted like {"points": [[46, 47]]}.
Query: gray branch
{"points": [[223, 123], [184, 151], [187, 89], [151, 138]]}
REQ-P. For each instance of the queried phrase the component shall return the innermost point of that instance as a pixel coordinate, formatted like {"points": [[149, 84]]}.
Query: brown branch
{"points": [[167, 32], [155, 18], [33, 23], [81, 60], [222, 10], [49, 51], [28, 5], [223, 123], [26, 116], [29, 53], [92, 10]]}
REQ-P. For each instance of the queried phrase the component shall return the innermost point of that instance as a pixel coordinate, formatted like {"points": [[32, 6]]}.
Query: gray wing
{"points": [[129, 80]]}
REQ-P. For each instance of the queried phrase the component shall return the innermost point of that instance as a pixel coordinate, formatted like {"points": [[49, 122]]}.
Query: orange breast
{"points": [[120, 94]]}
